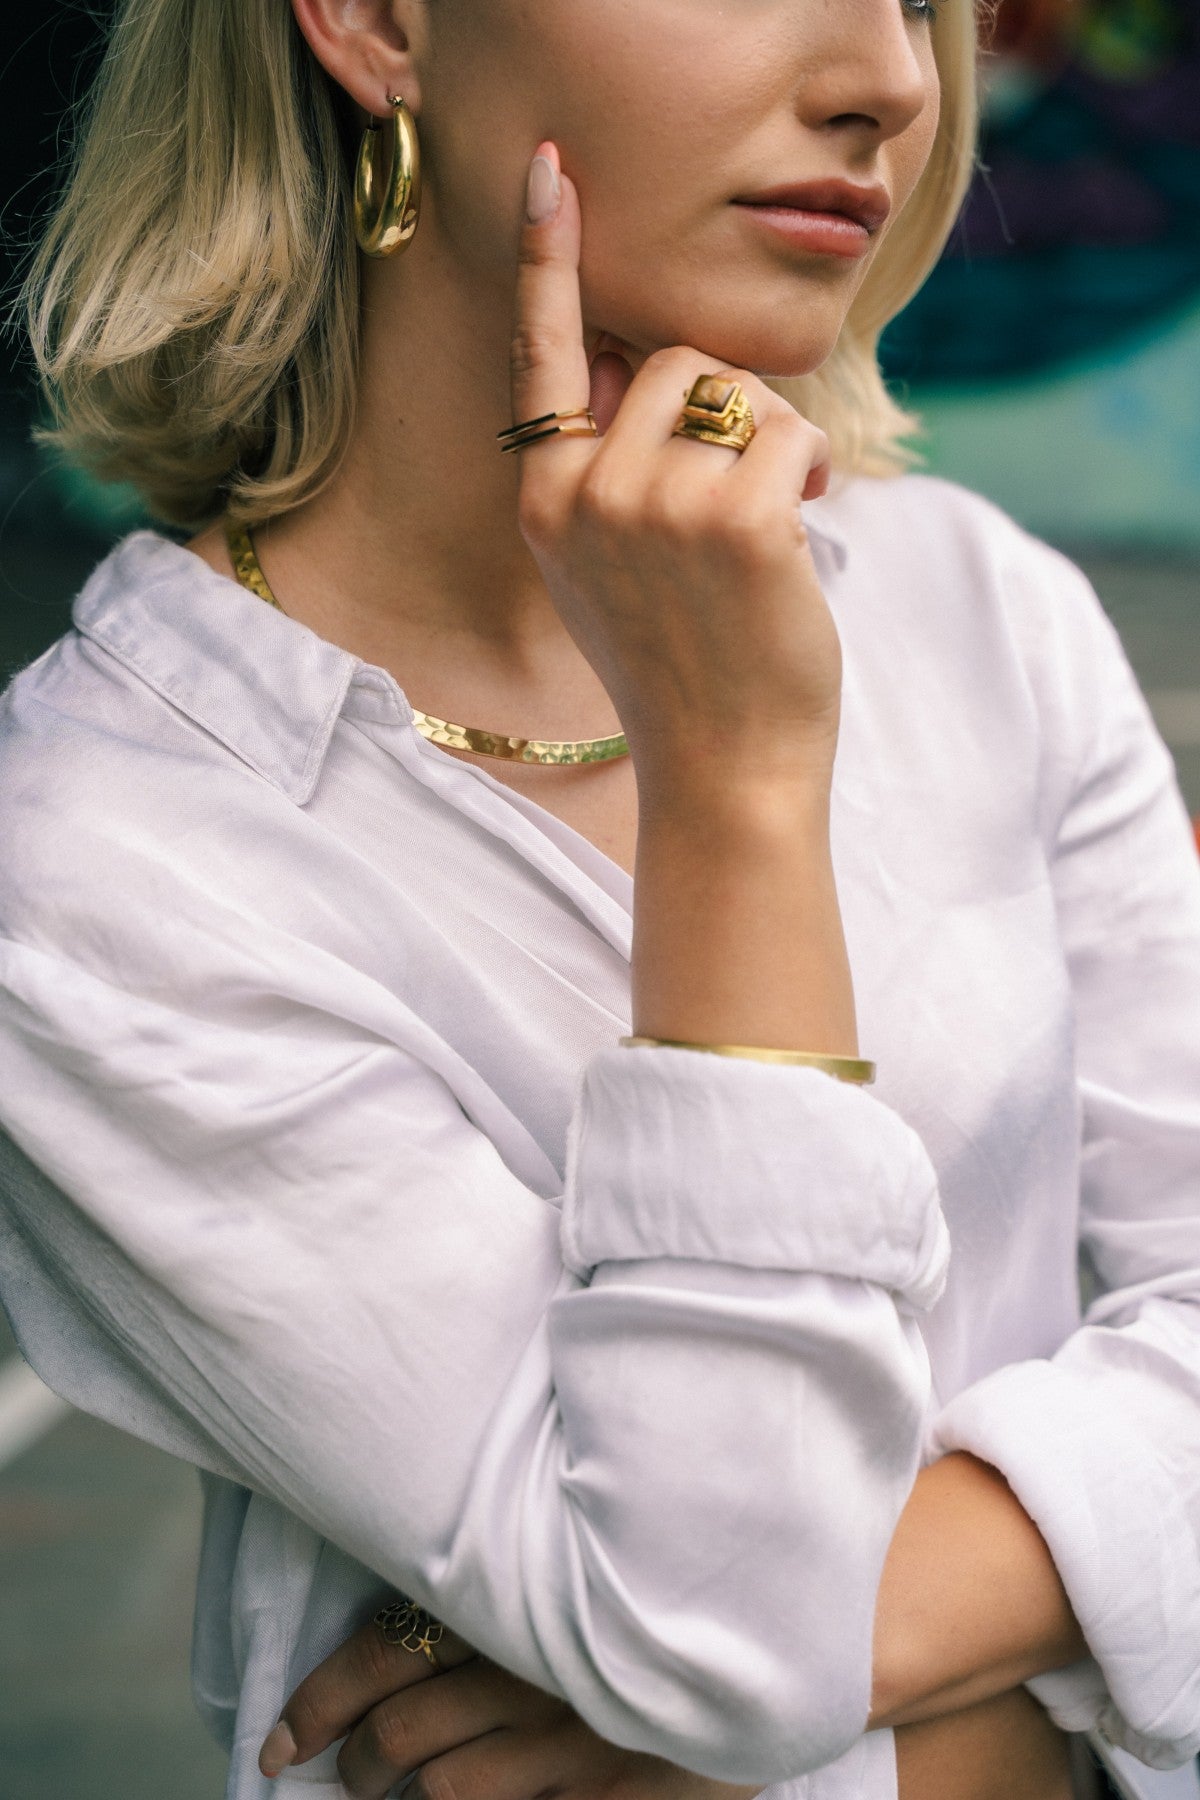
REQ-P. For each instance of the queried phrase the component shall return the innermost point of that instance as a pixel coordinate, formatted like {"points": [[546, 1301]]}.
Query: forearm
{"points": [[738, 938], [970, 1604], [1007, 1748], [737, 929]]}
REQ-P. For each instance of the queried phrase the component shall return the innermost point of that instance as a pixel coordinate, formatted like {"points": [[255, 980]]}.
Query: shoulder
{"points": [[943, 594], [105, 779], [85, 693], [953, 569], [935, 530]]}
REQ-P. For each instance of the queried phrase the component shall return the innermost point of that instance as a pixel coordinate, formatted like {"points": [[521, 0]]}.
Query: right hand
{"points": [[471, 1730], [477, 1730], [681, 569]]}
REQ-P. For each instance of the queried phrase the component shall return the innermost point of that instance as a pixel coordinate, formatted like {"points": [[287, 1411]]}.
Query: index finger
{"points": [[360, 1673], [549, 363]]}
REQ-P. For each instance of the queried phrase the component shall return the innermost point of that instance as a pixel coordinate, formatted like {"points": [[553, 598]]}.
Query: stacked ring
{"points": [[409, 1625], [716, 411], [517, 436]]}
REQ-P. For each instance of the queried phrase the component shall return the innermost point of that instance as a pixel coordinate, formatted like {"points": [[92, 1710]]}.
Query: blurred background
{"points": [[1055, 358]]}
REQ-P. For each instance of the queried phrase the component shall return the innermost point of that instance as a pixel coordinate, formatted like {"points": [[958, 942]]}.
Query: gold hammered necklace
{"points": [[248, 570]]}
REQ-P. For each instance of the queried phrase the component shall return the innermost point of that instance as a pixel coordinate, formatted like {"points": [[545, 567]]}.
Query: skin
{"points": [[475, 1732], [469, 627], [661, 114]]}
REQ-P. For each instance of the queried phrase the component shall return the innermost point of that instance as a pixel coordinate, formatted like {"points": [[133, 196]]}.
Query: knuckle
{"points": [[603, 498], [307, 1715], [538, 514], [390, 1736], [373, 1661], [435, 1783], [534, 345], [808, 435], [792, 425], [535, 248], [748, 526], [671, 356], [676, 509], [349, 1779]]}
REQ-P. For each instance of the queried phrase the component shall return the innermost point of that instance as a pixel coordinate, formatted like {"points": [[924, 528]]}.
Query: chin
{"points": [[772, 361], [800, 347], [770, 353]]}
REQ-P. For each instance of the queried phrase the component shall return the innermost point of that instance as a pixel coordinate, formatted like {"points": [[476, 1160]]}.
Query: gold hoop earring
{"points": [[387, 183]]}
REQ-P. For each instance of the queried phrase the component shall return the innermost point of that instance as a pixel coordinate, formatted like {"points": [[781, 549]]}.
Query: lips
{"points": [[866, 206]]}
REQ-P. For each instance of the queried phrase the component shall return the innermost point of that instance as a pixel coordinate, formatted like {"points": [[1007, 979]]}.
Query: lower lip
{"points": [[820, 233]]}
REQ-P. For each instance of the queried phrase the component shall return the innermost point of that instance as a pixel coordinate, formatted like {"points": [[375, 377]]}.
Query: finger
{"points": [[572, 1763], [412, 1727], [786, 461], [568, 1760], [652, 408], [549, 366], [361, 1672]]}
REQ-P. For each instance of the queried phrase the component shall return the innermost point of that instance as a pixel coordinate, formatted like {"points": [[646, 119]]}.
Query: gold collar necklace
{"points": [[248, 570]]}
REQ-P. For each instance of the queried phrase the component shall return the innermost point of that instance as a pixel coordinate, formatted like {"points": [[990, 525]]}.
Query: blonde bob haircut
{"points": [[194, 305]]}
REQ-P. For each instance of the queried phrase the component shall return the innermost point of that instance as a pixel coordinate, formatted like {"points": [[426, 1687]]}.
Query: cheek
{"points": [[598, 95], [913, 148]]}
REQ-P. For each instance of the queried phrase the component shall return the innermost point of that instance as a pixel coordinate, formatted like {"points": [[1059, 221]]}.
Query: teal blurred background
{"points": [[1055, 357]]}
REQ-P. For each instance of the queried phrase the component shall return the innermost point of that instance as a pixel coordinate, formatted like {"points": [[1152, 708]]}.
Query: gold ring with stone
{"points": [[716, 411], [409, 1625]]}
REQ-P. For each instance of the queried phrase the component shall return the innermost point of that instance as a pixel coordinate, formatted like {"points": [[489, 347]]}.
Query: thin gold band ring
{"points": [[518, 436]]}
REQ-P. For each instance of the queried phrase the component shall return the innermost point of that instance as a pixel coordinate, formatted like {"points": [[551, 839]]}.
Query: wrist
{"points": [[699, 775], [970, 1604], [737, 933], [747, 813]]}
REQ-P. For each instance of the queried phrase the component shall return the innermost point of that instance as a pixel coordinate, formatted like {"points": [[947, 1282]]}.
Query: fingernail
{"points": [[544, 192], [278, 1751]]}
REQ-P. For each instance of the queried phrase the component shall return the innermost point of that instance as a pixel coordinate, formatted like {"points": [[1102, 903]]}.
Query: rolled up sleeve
{"points": [[644, 1442], [1101, 1442]]}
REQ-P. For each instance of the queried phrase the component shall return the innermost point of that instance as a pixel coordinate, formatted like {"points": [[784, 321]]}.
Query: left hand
{"points": [[474, 1731]]}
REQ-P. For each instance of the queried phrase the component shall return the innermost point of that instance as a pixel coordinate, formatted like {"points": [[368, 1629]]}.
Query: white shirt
{"points": [[323, 1167]]}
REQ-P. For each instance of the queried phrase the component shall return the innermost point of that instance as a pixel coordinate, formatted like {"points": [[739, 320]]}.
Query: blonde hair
{"points": [[194, 305]]}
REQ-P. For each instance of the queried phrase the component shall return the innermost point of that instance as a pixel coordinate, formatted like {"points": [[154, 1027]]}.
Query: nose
{"points": [[867, 71]]}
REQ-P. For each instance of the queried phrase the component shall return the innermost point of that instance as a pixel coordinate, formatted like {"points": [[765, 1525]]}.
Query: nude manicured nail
{"points": [[278, 1752], [545, 190]]}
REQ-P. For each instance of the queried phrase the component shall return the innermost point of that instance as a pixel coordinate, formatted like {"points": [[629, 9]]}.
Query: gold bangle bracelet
{"points": [[845, 1068]]}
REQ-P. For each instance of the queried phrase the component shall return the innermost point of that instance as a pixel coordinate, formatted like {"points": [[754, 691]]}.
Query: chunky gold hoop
{"points": [[387, 183]]}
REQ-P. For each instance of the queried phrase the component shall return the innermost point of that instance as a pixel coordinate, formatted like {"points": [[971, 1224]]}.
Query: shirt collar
{"points": [[262, 684], [266, 686]]}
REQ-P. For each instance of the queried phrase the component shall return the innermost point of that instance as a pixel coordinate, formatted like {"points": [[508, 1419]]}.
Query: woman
{"points": [[327, 1165]]}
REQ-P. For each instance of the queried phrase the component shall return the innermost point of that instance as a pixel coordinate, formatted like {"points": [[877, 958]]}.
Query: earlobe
{"points": [[363, 46]]}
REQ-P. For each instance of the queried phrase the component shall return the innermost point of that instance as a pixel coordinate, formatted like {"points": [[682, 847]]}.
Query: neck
{"points": [[412, 557]]}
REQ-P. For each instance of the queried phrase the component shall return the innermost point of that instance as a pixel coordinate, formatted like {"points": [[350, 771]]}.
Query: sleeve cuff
{"points": [[675, 1153], [1111, 1514]]}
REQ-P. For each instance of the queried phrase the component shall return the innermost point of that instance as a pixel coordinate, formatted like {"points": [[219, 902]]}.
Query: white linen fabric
{"points": [[321, 1167]]}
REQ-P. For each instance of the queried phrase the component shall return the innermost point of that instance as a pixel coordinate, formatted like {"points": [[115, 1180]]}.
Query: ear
{"points": [[368, 47]]}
